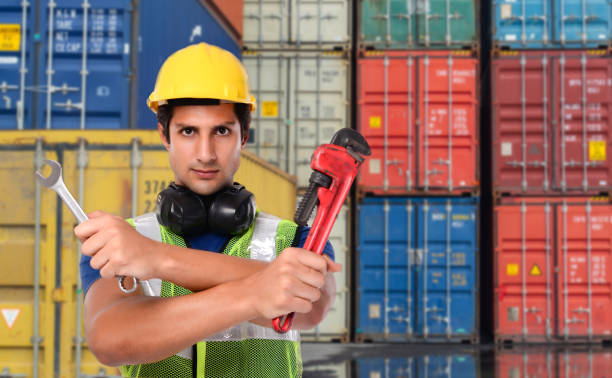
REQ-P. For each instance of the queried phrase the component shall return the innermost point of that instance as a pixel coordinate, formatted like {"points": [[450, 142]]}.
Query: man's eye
{"points": [[223, 131], [187, 131]]}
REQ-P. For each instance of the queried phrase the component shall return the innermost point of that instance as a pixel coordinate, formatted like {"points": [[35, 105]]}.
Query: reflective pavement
{"points": [[324, 360]]}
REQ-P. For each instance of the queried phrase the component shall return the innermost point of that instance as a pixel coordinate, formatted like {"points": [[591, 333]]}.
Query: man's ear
{"points": [[162, 135], [245, 138]]}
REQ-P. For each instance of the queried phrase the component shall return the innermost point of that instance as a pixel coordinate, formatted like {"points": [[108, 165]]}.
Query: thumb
{"points": [[332, 266]]}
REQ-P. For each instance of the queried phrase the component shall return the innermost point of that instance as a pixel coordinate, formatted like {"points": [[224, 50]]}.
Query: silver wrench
{"points": [[55, 182]]}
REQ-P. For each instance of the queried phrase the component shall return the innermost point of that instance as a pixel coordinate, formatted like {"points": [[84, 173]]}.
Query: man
{"points": [[199, 312]]}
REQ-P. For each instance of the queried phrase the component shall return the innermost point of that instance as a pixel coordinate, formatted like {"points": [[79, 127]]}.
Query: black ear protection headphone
{"points": [[229, 211]]}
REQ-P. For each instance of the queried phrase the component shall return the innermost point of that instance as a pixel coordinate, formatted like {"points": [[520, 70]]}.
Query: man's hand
{"points": [[291, 283], [116, 248]]}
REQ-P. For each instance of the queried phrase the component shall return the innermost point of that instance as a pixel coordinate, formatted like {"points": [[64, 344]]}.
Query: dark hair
{"points": [[165, 112]]}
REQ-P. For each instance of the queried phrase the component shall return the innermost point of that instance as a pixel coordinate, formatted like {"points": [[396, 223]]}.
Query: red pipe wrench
{"points": [[334, 166]]}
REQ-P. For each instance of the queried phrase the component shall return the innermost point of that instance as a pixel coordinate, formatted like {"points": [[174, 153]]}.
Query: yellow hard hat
{"points": [[201, 71]]}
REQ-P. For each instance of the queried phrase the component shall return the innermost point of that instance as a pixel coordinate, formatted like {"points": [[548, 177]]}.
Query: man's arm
{"points": [[132, 329]]}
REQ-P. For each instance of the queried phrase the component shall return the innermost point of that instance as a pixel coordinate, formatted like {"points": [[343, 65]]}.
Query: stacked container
{"points": [[82, 66], [297, 56], [418, 107], [552, 128]]}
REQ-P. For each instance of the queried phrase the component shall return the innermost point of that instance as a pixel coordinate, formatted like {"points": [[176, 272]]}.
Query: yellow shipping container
{"points": [[99, 168]]}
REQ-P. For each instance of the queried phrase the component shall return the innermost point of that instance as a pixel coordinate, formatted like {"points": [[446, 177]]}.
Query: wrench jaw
{"points": [[55, 176]]}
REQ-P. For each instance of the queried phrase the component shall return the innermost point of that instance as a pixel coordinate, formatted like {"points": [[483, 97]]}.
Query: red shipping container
{"points": [[553, 362], [553, 270], [231, 14], [552, 122], [405, 99]]}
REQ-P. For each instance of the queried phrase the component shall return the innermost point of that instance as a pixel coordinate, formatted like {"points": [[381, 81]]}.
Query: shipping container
{"points": [[297, 24], [434, 365], [230, 12], [69, 64], [417, 276], [552, 271], [191, 23], [335, 326], [38, 248], [302, 100], [417, 24], [552, 24], [405, 99], [579, 362], [552, 122]]}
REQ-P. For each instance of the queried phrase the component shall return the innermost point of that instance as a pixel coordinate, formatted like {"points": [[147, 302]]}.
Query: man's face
{"points": [[204, 147]]}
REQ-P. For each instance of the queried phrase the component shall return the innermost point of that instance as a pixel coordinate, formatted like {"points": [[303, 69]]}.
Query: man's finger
{"points": [[99, 260], [310, 276], [96, 214], [312, 260], [93, 244], [88, 228], [332, 266]]}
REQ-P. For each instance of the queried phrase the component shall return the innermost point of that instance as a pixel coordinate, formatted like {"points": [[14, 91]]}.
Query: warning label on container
{"points": [[535, 270], [10, 316], [506, 149], [512, 269], [269, 109], [10, 37], [597, 150], [375, 122]]}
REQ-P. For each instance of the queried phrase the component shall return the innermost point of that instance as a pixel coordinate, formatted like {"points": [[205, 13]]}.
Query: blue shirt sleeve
{"points": [[89, 275], [328, 249]]}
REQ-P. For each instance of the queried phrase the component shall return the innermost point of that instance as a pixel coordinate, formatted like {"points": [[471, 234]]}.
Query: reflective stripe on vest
{"points": [[262, 248]]}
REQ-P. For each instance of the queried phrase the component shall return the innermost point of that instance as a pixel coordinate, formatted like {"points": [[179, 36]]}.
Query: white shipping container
{"points": [[302, 100], [336, 324], [296, 23]]}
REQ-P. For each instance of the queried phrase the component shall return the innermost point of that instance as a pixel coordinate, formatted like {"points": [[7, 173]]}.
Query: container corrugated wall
{"points": [[405, 99], [552, 270], [302, 100], [541, 24], [335, 326], [417, 24], [99, 168], [297, 24], [552, 117], [417, 267]]}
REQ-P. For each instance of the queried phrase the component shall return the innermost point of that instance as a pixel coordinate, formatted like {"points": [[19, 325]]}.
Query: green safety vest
{"points": [[245, 350]]}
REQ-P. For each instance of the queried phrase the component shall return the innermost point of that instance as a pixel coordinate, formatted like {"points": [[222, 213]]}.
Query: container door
{"points": [[319, 106], [388, 24], [387, 120], [523, 23], [86, 55], [524, 272], [447, 269], [448, 132], [268, 137], [386, 273], [16, 64], [323, 23], [583, 23], [446, 24], [523, 124], [266, 23], [584, 100], [28, 286], [584, 255], [526, 364]]}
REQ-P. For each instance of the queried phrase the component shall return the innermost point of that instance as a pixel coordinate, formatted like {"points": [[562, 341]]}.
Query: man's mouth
{"points": [[205, 173]]}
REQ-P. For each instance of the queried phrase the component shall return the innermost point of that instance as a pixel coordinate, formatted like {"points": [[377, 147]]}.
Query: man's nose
{"points": [[206, 150]]}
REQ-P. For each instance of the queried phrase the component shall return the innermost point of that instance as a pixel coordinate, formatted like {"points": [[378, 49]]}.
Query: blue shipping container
{"points": [[15, 63], [71, 70], [166, 26], [553, 24], [455, 366], [417, 275]]}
